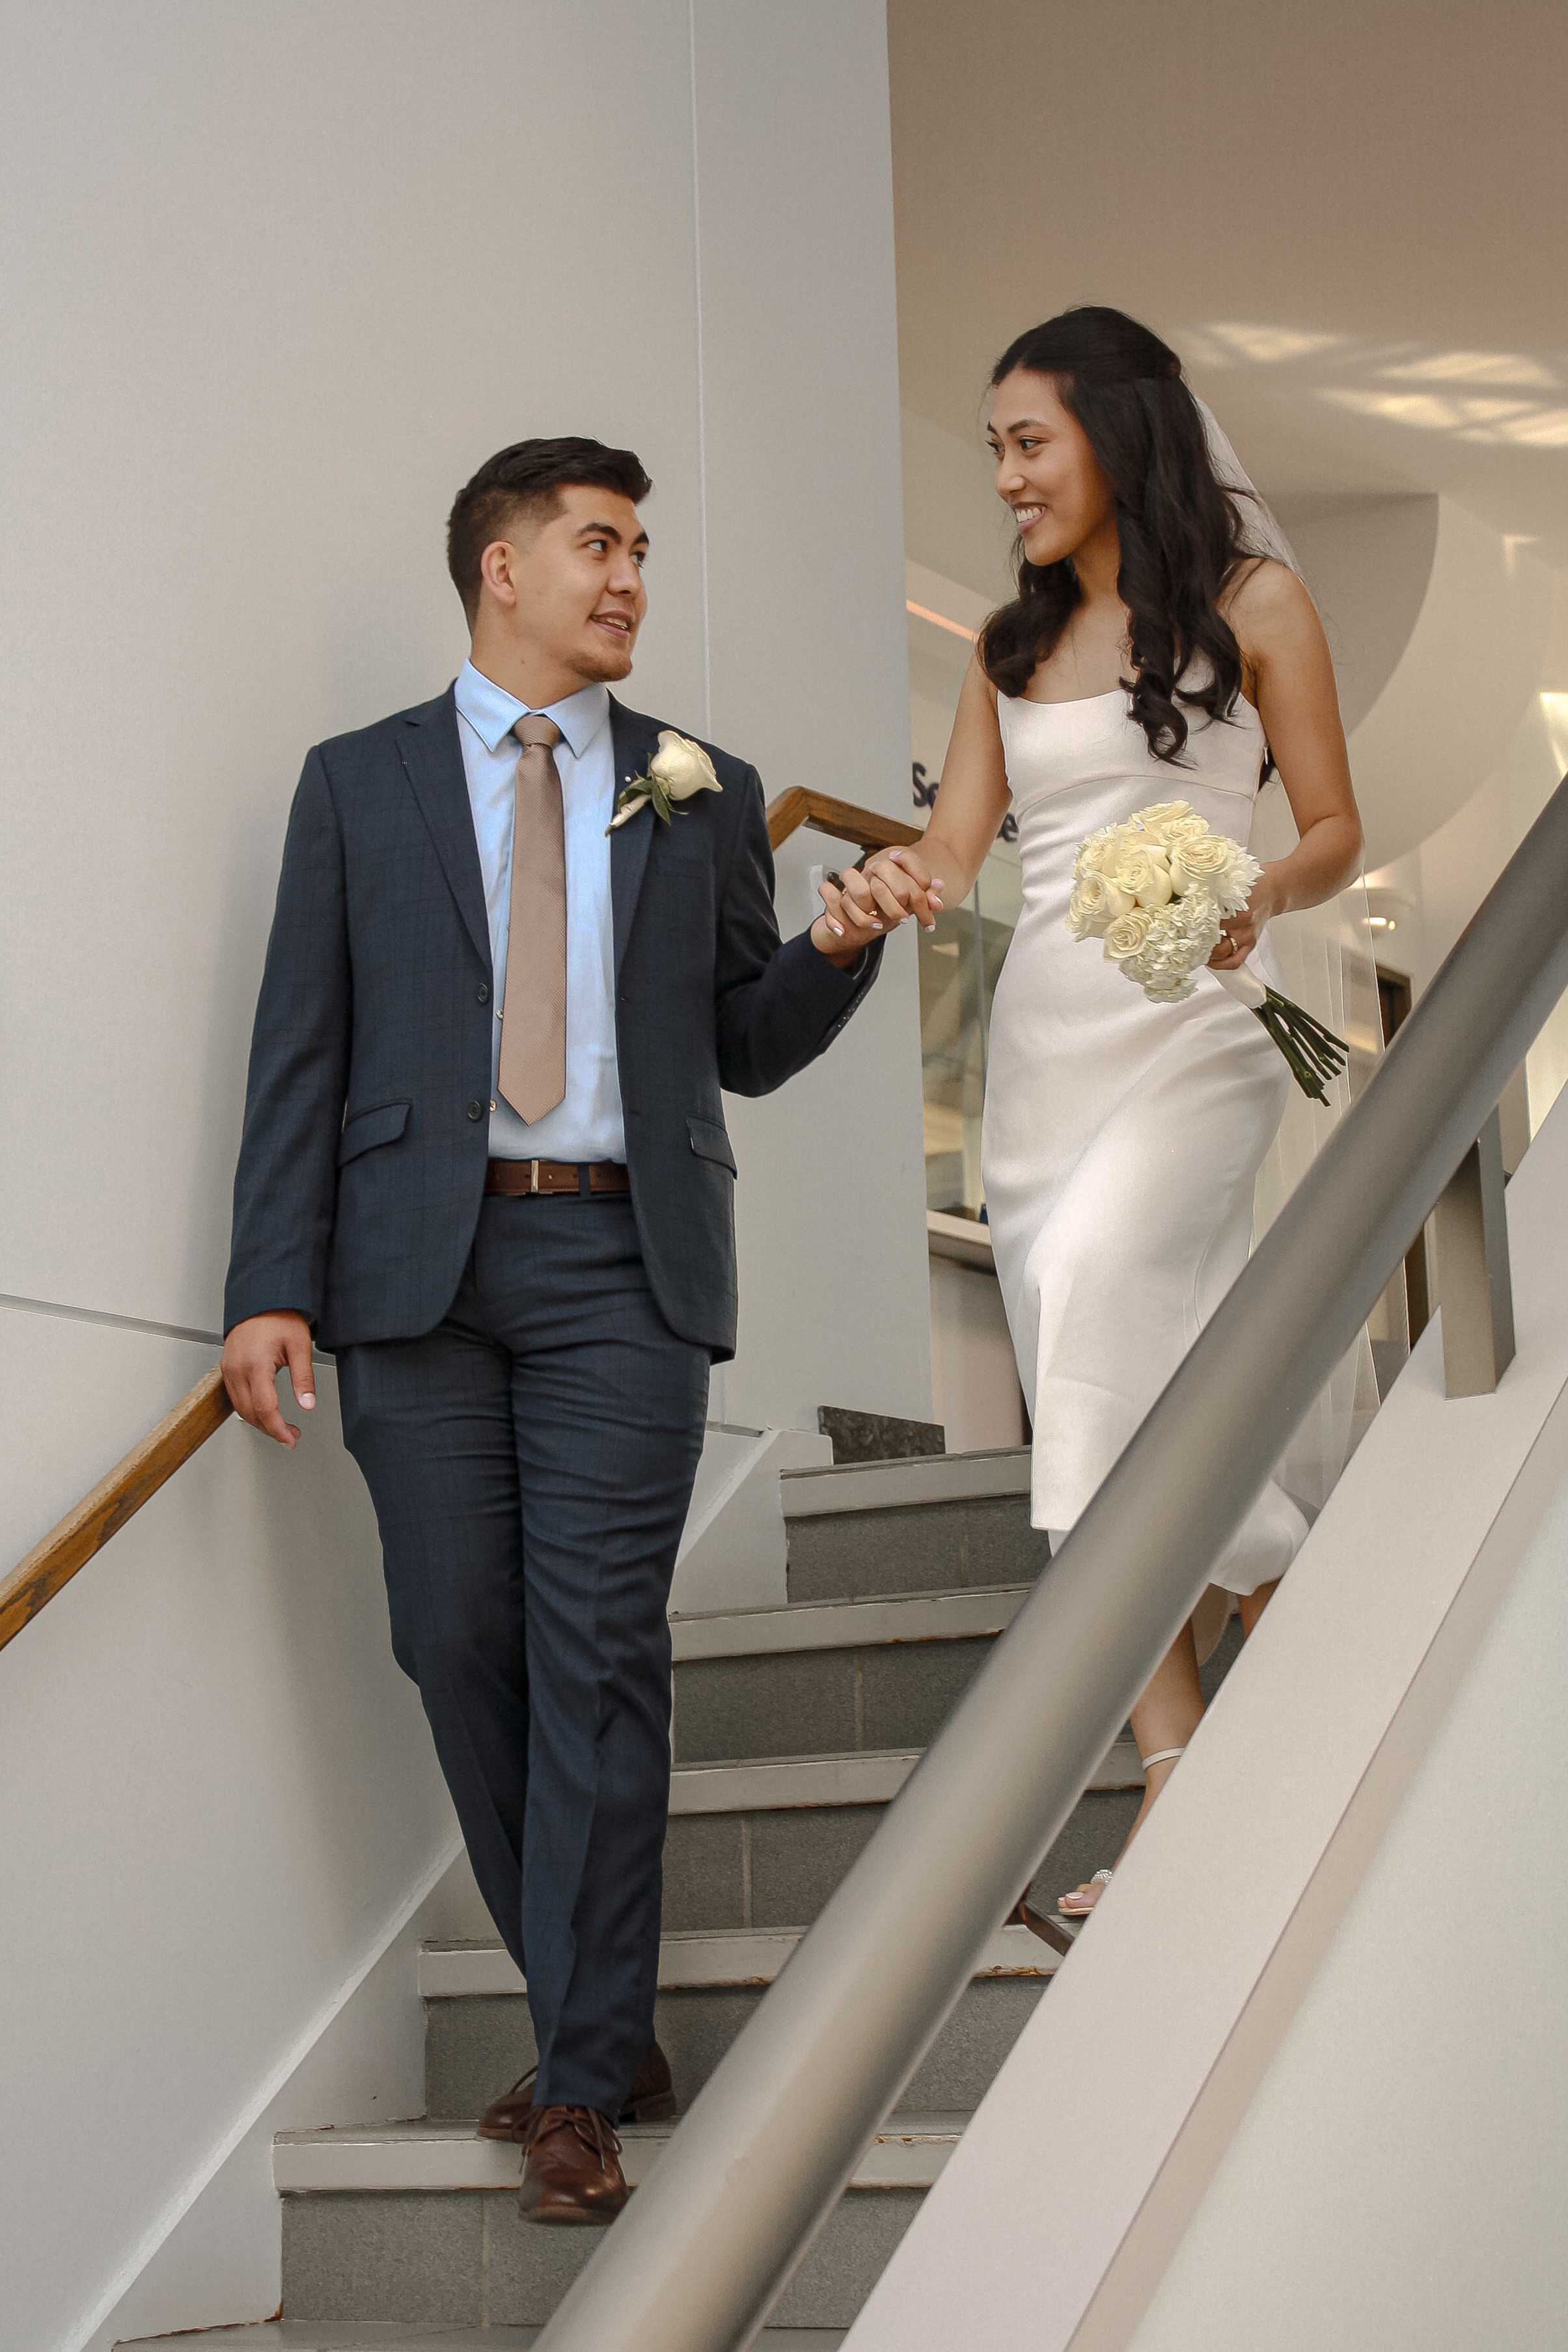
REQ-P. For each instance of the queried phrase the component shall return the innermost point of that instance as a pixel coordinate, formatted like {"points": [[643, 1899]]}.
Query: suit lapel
{"points": [[429, 748], [633, 739]]}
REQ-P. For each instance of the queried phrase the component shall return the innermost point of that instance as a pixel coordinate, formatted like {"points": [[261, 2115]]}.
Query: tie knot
{"points": [[534, 729]]}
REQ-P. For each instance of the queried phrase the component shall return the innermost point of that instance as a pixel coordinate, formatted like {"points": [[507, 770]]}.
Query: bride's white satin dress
{"points": [[1121, 1138]]}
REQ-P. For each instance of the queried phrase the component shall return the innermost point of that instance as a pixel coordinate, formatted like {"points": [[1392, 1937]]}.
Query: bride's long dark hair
{"points": [[1180, 531]]}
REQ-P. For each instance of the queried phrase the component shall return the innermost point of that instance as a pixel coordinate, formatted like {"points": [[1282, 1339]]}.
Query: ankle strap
{"points": [[1162, 1756]]}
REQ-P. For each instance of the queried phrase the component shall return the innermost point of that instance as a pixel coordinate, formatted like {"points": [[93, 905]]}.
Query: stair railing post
{"points": [[1474, 1287]]}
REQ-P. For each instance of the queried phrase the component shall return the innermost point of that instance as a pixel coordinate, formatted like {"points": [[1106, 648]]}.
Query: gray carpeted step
{"points": [[949, 1523], [474, 2049]]}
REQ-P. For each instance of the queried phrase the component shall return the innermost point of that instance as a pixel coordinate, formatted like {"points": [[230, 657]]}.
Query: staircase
{"points": [[793, 1727]]}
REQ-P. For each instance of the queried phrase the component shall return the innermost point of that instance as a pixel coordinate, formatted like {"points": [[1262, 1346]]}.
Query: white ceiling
{"points": [[1351, 220]]}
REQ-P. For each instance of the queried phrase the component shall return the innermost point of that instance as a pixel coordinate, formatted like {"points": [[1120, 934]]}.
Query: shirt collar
{"points": [[492, 712]]}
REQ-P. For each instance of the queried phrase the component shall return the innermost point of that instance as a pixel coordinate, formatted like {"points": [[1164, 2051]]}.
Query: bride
{"points": [[1148, 656]]}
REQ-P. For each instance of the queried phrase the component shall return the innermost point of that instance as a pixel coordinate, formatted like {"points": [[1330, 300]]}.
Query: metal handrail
{"points": [[705, 2246]]}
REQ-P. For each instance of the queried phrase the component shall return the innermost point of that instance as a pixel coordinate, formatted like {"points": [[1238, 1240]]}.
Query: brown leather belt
{"points": [[515, 1177]]}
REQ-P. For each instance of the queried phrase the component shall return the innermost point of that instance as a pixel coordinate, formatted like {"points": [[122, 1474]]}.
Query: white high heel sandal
{"points": [[1072, 1906]]}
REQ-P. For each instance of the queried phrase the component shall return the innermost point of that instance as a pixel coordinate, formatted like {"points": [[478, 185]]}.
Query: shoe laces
{"points": [[591, 2127]]}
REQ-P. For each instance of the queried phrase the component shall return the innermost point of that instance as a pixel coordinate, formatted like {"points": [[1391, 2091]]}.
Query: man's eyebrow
{"points": [[608, 530]]}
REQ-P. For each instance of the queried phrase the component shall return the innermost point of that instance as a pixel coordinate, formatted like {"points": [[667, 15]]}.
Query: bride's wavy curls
{"points": [[1181, 532]]}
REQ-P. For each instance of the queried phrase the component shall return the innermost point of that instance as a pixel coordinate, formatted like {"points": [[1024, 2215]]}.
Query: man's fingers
{"points": [[301, 1373], [851, 905]]}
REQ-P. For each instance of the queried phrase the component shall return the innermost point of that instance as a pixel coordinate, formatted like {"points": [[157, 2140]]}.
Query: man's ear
{"points": [[496, 572]]}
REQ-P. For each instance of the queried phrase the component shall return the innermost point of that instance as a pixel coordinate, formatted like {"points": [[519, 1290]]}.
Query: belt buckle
{"points": [[534, 1184]]}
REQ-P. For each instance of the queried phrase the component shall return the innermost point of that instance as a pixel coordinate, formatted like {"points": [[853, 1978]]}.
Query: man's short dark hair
{"points": [[526, 481]]}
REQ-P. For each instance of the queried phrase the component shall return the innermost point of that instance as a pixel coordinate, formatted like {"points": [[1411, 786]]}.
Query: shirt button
{"points": [[492, 1106], [476, 1110], [482, 992]]}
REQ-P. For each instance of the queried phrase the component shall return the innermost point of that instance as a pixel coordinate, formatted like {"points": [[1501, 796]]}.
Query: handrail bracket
{"points": [[1474, 1287]]}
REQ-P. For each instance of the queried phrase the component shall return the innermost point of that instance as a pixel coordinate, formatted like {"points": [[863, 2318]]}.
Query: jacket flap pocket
{"points": [[384, 1124], [709, 1141]]}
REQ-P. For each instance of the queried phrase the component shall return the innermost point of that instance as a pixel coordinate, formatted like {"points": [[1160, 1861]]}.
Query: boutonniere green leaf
{"points": [[679, 769]]}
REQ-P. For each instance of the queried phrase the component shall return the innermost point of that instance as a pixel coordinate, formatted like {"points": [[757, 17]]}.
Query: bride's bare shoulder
{"points": [[1261, 593]]}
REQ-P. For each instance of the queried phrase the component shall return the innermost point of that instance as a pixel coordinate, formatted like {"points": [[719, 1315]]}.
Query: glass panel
{"points": [[960, 964]]}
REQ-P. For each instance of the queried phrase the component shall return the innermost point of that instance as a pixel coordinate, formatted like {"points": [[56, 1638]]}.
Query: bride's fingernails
{"points": [[837, 928]]}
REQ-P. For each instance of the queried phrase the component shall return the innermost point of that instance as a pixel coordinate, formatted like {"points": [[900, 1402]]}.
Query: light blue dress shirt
{"points": [[588, 1124]]}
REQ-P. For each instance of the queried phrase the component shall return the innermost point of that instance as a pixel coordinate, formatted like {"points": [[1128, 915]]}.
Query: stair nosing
{"points": [[700, 1959], [439, 2156], [871, 1776], [896, 1485], [867, 1620]]}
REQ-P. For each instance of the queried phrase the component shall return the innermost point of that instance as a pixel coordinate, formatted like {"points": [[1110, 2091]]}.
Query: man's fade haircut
{"points": [[526, 481]]}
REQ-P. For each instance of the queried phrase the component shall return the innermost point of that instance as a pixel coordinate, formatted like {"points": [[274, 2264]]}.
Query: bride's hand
{"points": [[1241, 931], [906, 879]]}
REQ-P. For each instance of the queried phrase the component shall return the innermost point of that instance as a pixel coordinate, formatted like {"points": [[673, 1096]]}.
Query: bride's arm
{"points": [[971, 803], [1292, 677]]}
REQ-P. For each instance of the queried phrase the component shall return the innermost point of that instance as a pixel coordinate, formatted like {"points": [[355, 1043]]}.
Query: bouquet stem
{"points": [[1314, 1054]]}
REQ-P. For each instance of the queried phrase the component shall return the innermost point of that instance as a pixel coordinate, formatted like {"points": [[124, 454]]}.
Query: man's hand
{"points": [[253, 1354], [865, 904]]}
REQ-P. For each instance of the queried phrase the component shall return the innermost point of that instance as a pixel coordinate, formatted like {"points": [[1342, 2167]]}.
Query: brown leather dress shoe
{"points": [[571, 2168], [651, 2099]]}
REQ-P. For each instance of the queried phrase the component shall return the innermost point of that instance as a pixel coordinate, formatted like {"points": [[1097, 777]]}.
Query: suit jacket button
{"points": [[476, 1110], [482, 992]]}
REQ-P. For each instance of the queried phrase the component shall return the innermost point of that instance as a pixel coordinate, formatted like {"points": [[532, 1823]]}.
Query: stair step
{"points": [[949, 1522], [462, 2258], [718, 1958], [907, 2153], [474, 2047], [863, 1777], [832, 1675], [395, 2335], [845, 1625]]}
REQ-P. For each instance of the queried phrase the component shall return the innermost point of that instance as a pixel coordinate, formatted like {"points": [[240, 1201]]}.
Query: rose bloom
{"points": [[1101, 851], [682, 766], [1095, 902], [1145, 875], [1217, 866], [1160, 814], [1127, 935]]}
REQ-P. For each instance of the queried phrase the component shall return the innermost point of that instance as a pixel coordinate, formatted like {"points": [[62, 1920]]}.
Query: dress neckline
{"points": [[1067, 702]]}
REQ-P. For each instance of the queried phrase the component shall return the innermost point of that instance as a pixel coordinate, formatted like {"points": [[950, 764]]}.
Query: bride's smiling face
{"points": [[1046, 471]]}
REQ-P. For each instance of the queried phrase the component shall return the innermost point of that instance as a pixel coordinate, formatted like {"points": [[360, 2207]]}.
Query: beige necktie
{"points": [[533, 1021]]}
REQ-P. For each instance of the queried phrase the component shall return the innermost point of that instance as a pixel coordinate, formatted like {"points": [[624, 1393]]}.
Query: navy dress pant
{"points": [[531, 1462]]}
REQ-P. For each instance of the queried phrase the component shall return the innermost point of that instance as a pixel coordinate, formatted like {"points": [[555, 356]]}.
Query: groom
{"points": [[517, 1234]]}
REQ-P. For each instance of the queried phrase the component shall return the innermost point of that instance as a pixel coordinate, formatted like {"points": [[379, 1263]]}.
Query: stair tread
{"points": [[408, 2336], [439, 2156], [864, 1776], [948, 1613], [695, 1958], [898, 1485]]}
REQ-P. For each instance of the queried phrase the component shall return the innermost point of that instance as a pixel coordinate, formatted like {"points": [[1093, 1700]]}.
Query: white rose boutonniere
{"points": [[679, 769]]}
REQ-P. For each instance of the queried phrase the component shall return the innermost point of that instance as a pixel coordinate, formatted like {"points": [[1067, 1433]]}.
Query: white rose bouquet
{"points": [[1154, 890]]}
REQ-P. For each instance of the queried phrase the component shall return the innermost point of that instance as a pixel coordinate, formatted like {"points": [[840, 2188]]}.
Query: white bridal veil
{"points": [[1327, 964]]}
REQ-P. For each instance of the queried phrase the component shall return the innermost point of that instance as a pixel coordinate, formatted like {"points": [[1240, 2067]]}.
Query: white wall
{"points": [[277, 281], [220, 1804]]}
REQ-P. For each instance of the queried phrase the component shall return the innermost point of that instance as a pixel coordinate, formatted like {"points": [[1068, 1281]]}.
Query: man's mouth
{"points": [[616, 623], [1027, 517]]}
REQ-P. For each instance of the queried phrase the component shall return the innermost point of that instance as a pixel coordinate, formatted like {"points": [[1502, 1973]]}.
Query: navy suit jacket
{"points": [[367, 1111]]}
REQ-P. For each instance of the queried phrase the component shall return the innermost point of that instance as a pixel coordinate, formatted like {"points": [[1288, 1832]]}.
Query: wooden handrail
{"points": [[50, 1565], [800, 805]]}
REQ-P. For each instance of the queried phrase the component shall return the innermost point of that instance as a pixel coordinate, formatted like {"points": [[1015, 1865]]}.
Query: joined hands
{"points": [[867, 902]]}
